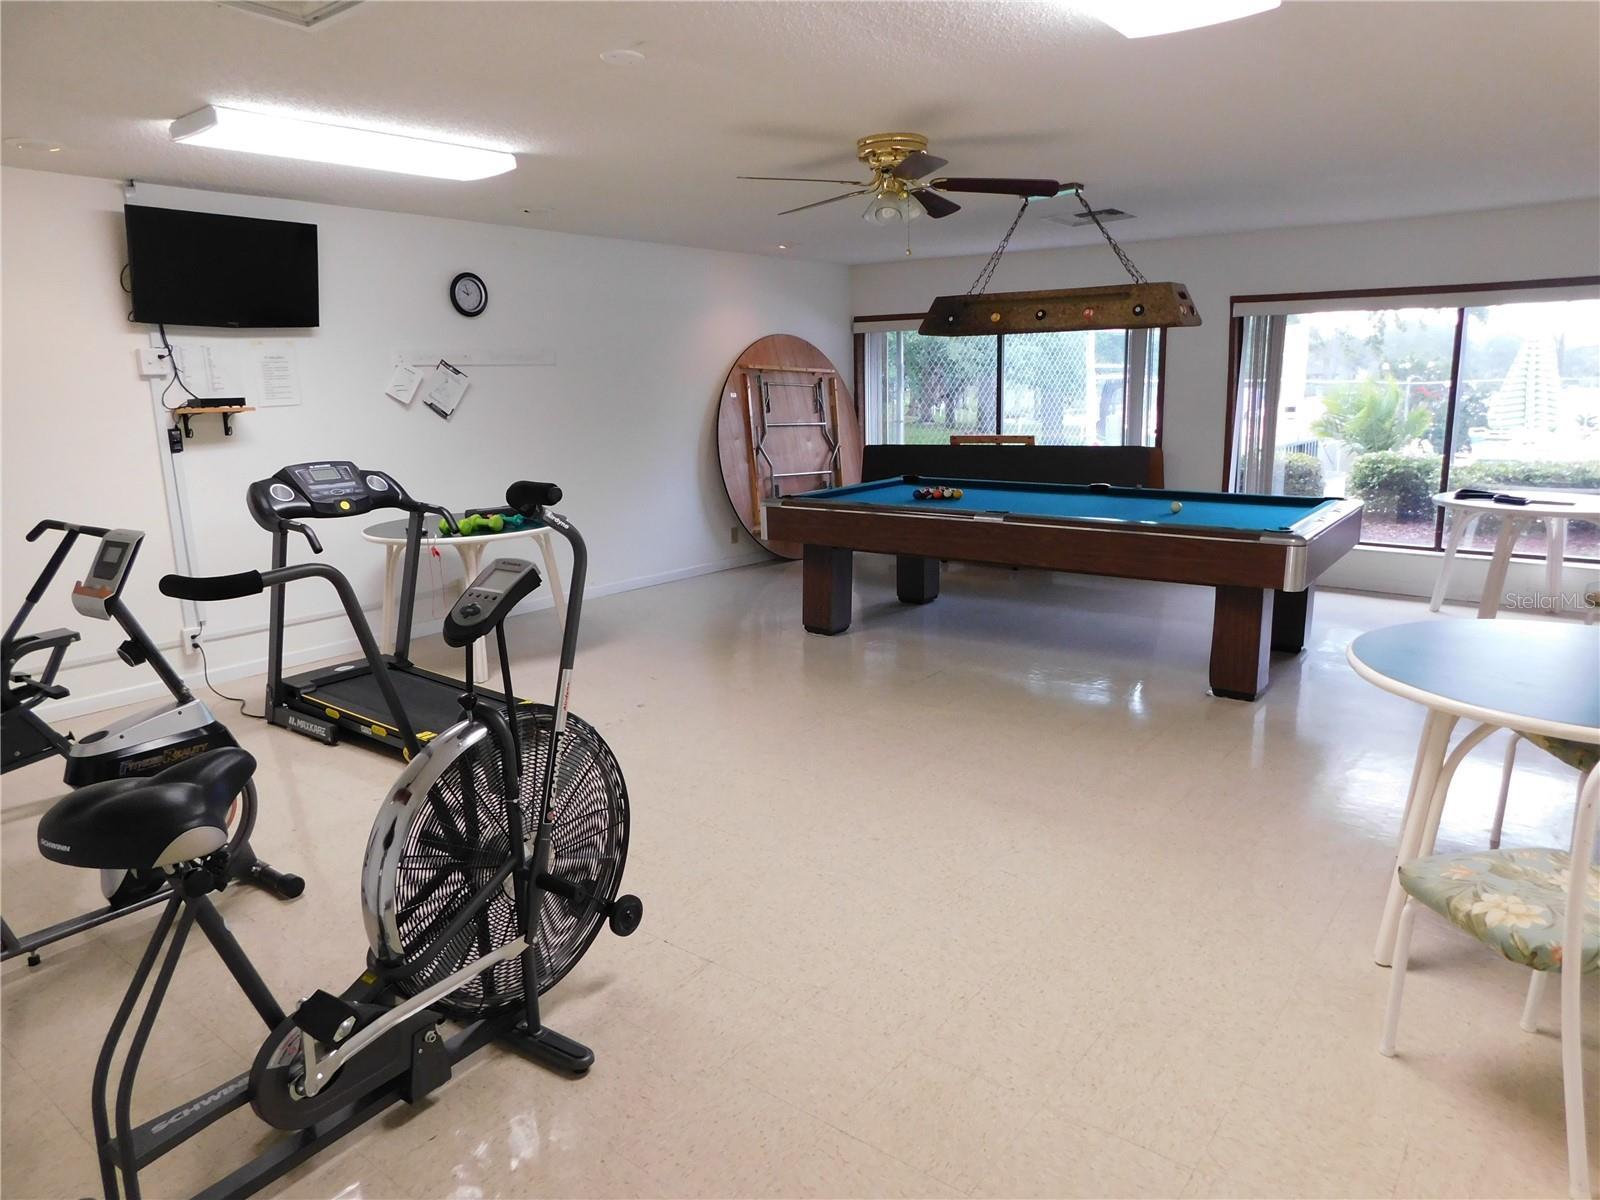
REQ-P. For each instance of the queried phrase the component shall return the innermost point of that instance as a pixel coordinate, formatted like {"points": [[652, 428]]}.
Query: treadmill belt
{"points": [[432, 703]]}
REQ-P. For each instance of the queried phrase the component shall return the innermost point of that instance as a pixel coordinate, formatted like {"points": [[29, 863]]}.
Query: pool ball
{"points": [[1177, 506]]}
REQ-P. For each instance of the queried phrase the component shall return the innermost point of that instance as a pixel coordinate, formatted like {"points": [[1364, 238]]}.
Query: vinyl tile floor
{"points": [[984, 898]]}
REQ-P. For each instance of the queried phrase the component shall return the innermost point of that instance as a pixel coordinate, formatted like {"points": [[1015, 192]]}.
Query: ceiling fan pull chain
{"points": [[1122, 255], [987, 273]]}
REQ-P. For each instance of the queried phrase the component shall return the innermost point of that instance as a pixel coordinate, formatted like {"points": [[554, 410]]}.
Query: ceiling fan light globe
{"points": [[890, 210]]}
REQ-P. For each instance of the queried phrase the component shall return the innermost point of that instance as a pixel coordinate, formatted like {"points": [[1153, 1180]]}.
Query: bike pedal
{"points": [[326, 1017], [430, 1065]]}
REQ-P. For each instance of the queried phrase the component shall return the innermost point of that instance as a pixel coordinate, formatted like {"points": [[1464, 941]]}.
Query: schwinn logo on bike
{"points": [[201, 1105], [566, 698], [45, 842], [152, 763]]}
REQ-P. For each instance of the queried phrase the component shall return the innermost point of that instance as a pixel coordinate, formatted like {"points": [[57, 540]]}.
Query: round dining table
{"points": [[1552, 509], [1535, 677], [391, 535]]}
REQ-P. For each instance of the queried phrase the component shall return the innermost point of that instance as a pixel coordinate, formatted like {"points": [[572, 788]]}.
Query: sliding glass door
{"points": [[1393, 401]]}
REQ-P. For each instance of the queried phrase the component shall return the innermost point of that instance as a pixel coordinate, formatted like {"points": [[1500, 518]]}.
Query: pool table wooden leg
{"points": [[825, 597], [1241, 640], [916, 579], [1291, 617]]}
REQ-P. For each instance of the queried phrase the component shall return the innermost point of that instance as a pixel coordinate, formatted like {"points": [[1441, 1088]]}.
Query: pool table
{"points": [[1261, 553]]}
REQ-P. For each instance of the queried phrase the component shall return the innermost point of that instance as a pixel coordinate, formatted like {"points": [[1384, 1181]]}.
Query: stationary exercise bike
{"points": [[135, 746], [491, 865]]}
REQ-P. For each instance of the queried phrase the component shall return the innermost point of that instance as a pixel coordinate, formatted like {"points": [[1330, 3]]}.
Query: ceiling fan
{"points": [[899, 163]]}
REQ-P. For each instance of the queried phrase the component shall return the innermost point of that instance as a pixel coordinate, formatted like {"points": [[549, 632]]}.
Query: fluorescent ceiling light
{"points": [[316, 141], [1147, 18]]}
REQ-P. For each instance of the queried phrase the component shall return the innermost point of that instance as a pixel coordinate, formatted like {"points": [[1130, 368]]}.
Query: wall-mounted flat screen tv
{"points": [[194, 268]]}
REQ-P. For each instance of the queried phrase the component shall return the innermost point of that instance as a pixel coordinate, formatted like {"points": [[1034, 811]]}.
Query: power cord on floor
{"points": [[205, 672]]}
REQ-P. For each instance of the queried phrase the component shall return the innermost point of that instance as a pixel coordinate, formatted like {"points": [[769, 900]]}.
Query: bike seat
{"points": [[160, 821]]}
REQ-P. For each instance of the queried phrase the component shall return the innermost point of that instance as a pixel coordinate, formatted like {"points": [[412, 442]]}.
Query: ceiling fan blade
{"points": [[933, 204], [999, 187], [829, 200], [917, 164], [804, 179]]}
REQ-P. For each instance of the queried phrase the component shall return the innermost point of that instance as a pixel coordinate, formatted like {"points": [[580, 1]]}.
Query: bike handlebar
{"points": [[212, 587], [527, 497], [38, 530]]}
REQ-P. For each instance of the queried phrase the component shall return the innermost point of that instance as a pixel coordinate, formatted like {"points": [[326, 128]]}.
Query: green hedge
{"points": [[1508, 473], [1302, 475], [1401, 484]]}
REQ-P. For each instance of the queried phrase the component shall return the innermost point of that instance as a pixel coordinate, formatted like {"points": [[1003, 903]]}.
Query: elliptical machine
{"points": [[491, 865], [135, 746]]}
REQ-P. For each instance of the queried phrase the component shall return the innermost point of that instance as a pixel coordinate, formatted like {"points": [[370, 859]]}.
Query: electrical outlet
{"points": [[175, 440], [153, 363], [191, 638]]}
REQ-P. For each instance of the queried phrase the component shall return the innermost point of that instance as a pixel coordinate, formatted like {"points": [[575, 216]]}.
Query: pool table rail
{"points": [[1263, 578], [1198, 554]]}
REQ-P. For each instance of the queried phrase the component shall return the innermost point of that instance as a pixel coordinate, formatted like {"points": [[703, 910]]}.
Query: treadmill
{"points": [[347, 699]]}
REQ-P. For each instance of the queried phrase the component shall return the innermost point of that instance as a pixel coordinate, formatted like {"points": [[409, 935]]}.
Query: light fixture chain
{"points": [[1122, 255], [994, 259]]}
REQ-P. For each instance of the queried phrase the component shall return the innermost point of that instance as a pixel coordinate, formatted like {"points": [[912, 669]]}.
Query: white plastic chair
{"points": [[1575, 754], [1533, 893]]}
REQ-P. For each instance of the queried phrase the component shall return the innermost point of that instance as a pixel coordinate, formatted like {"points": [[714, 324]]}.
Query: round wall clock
{"points": [[468, 294]]}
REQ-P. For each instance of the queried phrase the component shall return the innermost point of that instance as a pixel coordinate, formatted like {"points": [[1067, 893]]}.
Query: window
{"points": [[1395, 398], [1093, 388]]}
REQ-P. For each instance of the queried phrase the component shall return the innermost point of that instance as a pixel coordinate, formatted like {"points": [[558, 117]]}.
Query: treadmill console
{"points": [[107, 573], [489, 600], [324, 489]]}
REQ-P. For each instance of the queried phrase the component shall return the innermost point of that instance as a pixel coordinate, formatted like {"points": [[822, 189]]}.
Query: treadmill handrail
{"points": [[278, 576]]}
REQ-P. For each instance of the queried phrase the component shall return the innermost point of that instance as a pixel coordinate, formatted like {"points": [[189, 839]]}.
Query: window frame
{"points": [[1418, 297], [859, 345]]}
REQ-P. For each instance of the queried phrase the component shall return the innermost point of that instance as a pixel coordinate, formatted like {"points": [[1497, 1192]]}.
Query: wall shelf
{"points": [[226, 412]]}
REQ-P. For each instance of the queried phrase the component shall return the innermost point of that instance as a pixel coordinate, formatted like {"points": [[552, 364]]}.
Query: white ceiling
{"points": [[1316, 112]]}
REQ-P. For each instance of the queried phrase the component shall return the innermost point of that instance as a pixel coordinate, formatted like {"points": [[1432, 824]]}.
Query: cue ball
{"points": [[1177, 506]]}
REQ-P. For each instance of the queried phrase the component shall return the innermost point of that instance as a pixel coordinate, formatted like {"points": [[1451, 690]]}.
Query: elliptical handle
{"points": [[310, 535], [449, 518]]}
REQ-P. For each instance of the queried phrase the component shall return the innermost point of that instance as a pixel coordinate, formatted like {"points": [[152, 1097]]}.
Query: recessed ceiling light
{"points": [[1148, 18], [621, 58], [315, 141], [32, 144], [307, 14], [781, 246]]}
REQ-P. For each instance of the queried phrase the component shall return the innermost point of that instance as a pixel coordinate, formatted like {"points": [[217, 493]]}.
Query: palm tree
{"points": [[1368, 416]]}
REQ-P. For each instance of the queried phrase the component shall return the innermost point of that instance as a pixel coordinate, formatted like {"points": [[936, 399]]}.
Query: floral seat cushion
{"points": [[1580, 756], [1513, 900]]}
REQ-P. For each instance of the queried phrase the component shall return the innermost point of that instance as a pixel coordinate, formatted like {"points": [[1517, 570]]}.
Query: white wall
{"points": [[642, 335], [1546, 241]]}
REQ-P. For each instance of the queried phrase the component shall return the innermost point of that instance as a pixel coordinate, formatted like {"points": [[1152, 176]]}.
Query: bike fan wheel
{"points": [[458, 838]]}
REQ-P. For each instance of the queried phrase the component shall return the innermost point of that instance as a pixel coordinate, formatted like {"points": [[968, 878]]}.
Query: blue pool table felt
{"points": [[1210, 510]]}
